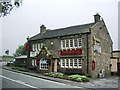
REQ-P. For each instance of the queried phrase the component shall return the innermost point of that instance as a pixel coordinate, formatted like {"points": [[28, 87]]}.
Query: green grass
{"points": [[20, 69]]}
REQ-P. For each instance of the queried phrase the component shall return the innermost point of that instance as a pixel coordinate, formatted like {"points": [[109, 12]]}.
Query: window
{"points": [[79, 62], [33, 47], [62, 62], [79, 42], [75, 43], [41, 45], [33, 62], [63, 43], [75, 62], [71, 63], [67, 62], [71, 42], [38, 46], [44, 64], [67, 43]]}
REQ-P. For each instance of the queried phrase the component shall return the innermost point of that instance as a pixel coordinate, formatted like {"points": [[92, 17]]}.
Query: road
{"points": [[17, 80]]}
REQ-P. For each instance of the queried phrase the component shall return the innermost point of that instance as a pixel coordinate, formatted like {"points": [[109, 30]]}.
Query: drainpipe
{"points": [[87, 53]]}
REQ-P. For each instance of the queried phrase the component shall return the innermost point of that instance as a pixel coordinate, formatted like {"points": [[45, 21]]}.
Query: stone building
{"points": [[81, 49], [115, 62]]}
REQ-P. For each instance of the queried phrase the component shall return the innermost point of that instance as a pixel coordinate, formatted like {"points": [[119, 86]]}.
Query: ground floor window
{"points": [[34, 62], [43, 64], [71, 62]]}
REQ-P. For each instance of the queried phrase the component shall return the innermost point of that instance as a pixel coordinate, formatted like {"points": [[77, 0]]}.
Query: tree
{"points": [[20, 50], [6, 6], [7, 52]]}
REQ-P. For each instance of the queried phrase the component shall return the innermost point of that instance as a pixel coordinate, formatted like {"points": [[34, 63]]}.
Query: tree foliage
{"points": [[6, 6], [20, 51]]}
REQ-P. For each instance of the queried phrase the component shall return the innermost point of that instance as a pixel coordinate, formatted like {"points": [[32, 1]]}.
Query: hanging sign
{"points": [[93, 65], [27, 47]]}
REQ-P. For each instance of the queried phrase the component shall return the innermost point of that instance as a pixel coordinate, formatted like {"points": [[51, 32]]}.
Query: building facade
{"points": [[81, 49], [115, 62]]}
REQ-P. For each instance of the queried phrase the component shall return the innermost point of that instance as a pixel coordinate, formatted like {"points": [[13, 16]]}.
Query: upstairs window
{"points": [[79, 42], [63, 43], [75, 43], [71, 42], [67, 43]]}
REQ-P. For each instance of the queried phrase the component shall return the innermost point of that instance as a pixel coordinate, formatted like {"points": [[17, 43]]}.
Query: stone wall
{"points": [[101, 38]]}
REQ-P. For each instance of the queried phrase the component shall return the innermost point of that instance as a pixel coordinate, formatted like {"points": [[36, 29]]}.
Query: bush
{"points": [[76, 77], [55, 74]]}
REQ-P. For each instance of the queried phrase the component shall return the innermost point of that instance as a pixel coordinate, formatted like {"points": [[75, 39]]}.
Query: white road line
{"points": [[18, 81], [44, 79]]}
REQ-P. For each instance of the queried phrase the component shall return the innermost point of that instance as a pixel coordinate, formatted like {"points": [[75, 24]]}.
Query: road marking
{"points": [[18, 81], [45, 79]]}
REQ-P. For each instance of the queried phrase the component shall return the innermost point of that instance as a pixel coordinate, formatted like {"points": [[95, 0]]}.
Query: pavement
{"points": [[109, 82]]}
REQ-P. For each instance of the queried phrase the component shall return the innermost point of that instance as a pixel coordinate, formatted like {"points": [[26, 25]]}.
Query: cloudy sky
{"points": [[26, 20]]}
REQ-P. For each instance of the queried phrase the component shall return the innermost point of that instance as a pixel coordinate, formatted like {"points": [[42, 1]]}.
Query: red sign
{"points": [[27, 47], [71, 52], [93, 65]]}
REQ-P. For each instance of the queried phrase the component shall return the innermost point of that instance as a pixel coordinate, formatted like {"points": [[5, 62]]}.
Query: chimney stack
{"points": [[42, 28], [97, 17]]}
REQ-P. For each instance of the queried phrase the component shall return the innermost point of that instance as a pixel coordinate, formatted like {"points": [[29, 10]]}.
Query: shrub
{"points": [[54, 74], [76, 77]]}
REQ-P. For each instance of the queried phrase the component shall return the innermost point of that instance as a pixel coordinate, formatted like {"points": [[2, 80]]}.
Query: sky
{"points": [[26, 20]]}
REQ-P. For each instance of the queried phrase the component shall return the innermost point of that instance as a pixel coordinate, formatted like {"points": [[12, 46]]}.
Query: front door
{"points": [[54, 65]]}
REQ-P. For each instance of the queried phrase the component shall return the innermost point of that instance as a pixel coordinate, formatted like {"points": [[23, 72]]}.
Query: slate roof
{"points": [[62, 32]]}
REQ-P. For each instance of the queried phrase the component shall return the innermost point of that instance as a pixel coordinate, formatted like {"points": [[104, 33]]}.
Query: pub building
{"points": [[80, 49]]}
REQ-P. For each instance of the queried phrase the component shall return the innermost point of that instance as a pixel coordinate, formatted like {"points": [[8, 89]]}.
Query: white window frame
{"points": [[70, 43], [33, 47], [76, 62], [76, 42], [62, 62], [33, 62], [41, 45], [66, 44], [70, 63], [79, 46], [63, 44], [66, 63], [79, 66], [45, 63]]}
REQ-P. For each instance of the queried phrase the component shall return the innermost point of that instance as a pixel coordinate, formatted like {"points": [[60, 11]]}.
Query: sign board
{"points": [[71, 52], [27, 47], [97, 48]]}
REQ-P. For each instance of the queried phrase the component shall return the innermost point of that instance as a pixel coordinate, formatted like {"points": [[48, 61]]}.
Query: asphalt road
{"points": [[17, 80]]}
